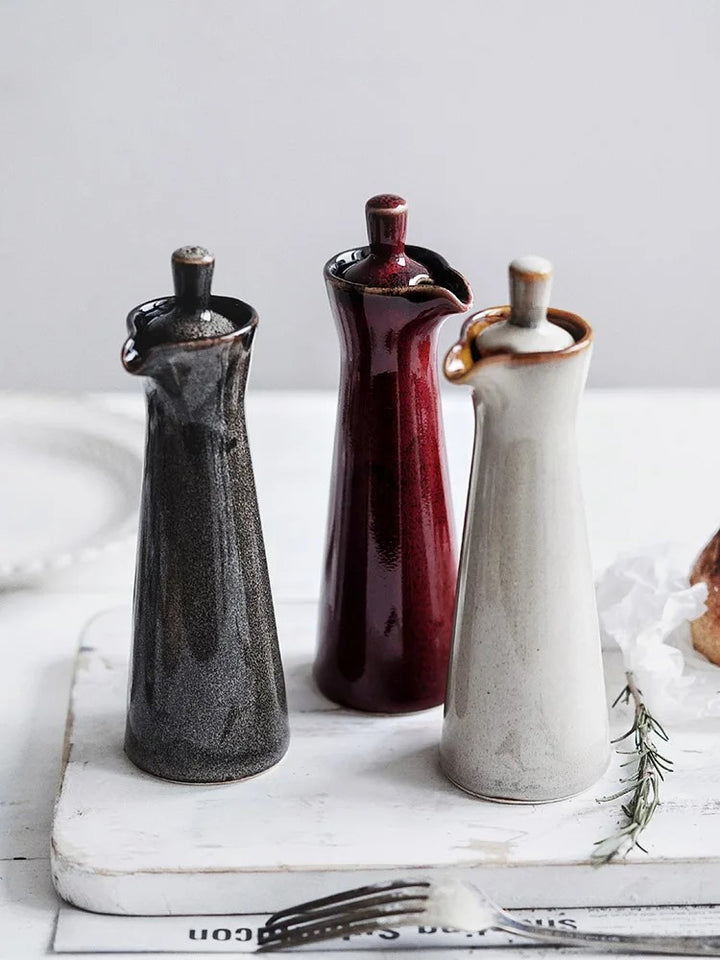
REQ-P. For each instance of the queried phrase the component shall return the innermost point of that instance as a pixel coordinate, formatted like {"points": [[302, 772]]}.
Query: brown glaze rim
{"points": [[226, 306], [463, 357], [457, 288]]}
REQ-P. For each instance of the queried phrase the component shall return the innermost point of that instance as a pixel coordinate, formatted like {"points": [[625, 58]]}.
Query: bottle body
{"points": [[207, 696], [526, 713], [390, 568]]}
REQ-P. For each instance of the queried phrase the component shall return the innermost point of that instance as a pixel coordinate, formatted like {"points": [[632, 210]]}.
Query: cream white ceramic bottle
{"points": [[525, 712]]}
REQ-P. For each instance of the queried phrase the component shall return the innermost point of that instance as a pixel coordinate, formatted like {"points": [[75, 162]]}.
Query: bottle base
{"points": [[205, 774], [522, 801], [376, 705]]}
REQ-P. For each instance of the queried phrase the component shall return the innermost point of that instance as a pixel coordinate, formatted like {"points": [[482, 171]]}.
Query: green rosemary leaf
{"points": [[667, 765], [624, 736], [620, 793], [644, 785], [625, 692], [658, 729]]}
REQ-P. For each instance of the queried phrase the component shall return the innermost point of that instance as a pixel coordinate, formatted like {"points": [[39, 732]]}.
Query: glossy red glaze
{"points": [[386, 263], [388, 588]]}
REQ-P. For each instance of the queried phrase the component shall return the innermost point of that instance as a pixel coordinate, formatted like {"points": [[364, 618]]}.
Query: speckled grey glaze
{"points": [[525, 710], [207, 695]]}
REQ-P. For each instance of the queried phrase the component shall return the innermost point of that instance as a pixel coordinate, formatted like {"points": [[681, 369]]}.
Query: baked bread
{"points": [[706, 629]]}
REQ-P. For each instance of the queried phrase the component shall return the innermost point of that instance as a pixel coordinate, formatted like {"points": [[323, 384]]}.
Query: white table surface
{"points": [[651, 464]]}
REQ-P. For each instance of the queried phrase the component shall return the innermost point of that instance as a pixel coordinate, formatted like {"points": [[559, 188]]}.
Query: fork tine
{"points": [[344, 925], [363, 910], [368, 905], [345, 896]]}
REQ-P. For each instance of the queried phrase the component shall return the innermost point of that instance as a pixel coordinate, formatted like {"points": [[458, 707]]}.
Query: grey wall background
{"points": [[587, 132]]}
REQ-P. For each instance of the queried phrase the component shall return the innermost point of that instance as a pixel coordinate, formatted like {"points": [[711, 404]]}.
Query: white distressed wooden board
{"points": [[357, 799]]}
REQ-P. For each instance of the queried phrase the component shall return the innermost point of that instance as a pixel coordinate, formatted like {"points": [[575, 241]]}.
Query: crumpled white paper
{"points": [[645, 605]]}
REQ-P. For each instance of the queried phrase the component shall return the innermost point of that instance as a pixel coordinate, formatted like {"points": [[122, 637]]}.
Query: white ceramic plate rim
{"points": [[119, 451]]}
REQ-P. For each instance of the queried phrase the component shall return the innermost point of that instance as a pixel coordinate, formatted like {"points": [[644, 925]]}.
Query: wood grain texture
{"points": [[357, 799]]}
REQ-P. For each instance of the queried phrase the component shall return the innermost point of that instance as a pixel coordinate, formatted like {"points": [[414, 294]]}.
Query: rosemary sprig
{"points": [[644, 784]]}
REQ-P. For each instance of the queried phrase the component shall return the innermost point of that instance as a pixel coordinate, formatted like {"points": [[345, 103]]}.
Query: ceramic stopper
{"points": [[192, 269], [386, 219], [386, 264], [527, 330], [188, 314], [530, 285]]}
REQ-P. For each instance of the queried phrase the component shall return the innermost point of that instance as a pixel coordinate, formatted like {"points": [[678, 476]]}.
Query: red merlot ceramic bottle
{"points": [[388, 586]]}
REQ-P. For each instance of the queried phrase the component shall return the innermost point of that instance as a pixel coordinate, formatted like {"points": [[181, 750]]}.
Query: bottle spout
{"points": [[131, 358], [462, 360], [528, 331]]}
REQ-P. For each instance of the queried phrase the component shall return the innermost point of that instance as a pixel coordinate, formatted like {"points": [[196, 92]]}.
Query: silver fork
{"points": [[448, 902]]}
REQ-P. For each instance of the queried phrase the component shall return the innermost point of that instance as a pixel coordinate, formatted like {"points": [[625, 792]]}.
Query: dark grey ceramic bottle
{"points": [[207, 695]]}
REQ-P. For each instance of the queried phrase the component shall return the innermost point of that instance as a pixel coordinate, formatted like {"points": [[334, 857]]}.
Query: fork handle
{"points": [[612, 942]]}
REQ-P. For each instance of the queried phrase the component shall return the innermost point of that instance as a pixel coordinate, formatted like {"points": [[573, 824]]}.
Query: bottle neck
{"points": [[387, 264], [387, 269], [192, 280]]}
